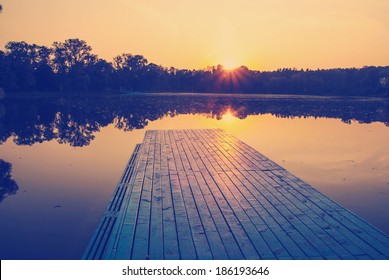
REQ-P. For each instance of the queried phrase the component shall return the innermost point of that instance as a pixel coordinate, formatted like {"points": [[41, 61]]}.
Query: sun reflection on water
{"points": [[228, 116]]}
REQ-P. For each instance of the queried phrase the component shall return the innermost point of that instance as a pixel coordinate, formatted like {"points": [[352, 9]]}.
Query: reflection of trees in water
{"points": [[8, 186], [74, 121]]}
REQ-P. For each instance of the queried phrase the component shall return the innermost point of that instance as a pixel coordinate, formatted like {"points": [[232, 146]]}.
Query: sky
{"points": [[193, 34]]}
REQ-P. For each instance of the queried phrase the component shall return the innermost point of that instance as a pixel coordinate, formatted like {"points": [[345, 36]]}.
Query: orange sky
{"points": [[261, 34]]}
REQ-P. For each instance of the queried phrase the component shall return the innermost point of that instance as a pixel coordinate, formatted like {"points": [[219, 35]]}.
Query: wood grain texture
{"points": [[204, 194]]}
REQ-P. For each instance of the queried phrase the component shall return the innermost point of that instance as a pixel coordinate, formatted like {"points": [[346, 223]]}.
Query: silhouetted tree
{"points": [[130, 69], [7, 77], [154, 78], [8, 186], [45, 78], [22, 57], [100, 75], [25, 67], [70, 60], [71, 66]]}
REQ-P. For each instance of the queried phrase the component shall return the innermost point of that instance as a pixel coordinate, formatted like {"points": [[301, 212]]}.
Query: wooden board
{"points": [[204, 194], [99, 240]]}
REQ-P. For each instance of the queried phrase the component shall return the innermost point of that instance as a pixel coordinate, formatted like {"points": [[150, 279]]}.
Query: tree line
{"points": [[74, 120], [70, 66]]}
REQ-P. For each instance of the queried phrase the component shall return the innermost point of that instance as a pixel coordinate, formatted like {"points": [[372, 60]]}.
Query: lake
{"points": [[67, 155]]}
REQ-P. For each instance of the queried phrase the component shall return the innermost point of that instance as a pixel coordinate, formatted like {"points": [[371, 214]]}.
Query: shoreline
{"points": [[185, 93]]}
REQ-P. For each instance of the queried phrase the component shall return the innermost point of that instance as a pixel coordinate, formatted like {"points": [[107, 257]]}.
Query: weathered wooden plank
{"points": [[214, 201], [344, 253], [249, 219], [324, 221], [185, 240], [251, 155], [197, 229], [328, 209], [222, 213], [314, 235], [364, 228], [296, 251], [312, 220], [170, 239], [204, 194], [215, 243], [321, 247], [124, 239], [140, 248], [156, 229], [243, 230], [218, 208], [316, 231], [98, 243]]}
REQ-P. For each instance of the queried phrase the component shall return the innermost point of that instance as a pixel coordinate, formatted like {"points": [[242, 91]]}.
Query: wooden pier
{"points": [[204, 194]]}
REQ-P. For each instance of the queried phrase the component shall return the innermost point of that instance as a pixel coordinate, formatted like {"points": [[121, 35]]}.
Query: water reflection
{"points": [[75, 120], [8, 186], [228, 116], [349, 163]]}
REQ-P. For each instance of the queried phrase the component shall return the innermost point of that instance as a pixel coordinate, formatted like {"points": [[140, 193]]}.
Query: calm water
{"points": [[67, 155]]}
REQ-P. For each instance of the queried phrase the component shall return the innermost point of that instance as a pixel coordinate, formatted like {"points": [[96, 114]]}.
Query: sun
{"points": [[228, 116], [230, 64]]}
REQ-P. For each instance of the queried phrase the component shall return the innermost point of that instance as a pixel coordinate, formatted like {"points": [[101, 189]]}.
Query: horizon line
{"points": [[305, 69]]}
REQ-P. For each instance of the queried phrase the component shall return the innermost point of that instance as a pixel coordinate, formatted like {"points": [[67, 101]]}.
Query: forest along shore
{"points": [[71, 66]]}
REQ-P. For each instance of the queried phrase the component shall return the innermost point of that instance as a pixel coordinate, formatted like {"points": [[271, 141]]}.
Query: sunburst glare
{"points": [[228, 116], [230, 65], [232, 79]]}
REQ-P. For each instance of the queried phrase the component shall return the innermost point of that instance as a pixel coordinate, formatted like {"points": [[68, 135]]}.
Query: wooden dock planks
{"points": [[204, 194]]}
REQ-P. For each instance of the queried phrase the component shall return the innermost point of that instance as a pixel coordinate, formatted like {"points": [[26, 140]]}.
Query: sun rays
{"points": [[232, 79], [228, 116]]}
